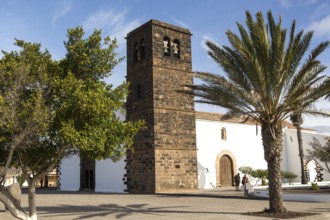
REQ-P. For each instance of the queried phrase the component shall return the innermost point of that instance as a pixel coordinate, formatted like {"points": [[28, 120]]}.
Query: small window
{"points": [[142, 50], [136, 51], [139, 50], [139, 92], [223, 134], [176, 48], [166, 45]]}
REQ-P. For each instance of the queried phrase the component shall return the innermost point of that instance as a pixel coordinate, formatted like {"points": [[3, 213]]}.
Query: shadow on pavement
{"points": [[116, 211]]}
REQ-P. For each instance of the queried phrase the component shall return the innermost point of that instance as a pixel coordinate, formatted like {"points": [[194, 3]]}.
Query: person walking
{"points": [[237, 181], [245, 179]]}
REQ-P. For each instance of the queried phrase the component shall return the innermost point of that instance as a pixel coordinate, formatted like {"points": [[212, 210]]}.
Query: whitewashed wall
{"points": [[70, 173], [242, 142], [109, 176], [292, 151]]}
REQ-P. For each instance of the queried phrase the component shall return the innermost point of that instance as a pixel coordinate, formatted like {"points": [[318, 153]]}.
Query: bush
{"points": [[20, 179], [288, 176], [246, 170], [260, 174], [264, 182], [314, 186]]}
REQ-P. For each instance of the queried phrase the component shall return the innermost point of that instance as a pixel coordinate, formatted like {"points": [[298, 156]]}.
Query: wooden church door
{"points": [[226, 171], [87, 173]]}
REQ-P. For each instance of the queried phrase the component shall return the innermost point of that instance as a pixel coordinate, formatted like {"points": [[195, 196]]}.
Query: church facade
{"points": [[181, 148]]}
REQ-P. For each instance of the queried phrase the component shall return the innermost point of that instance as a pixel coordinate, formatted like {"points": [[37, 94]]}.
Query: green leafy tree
{"points": [[268, 77], [71, 108], [320, 153], [24, 116]]}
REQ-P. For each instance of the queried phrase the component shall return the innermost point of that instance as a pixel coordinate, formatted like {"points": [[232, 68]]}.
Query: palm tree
{"points": [[297, 120], [266, 79]]}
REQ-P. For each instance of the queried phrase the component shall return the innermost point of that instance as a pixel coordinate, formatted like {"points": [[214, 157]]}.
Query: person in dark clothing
{"points": [[237, 181]]}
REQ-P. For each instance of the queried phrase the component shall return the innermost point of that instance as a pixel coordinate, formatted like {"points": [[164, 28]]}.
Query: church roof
{"points": [[240, 120], [161, 24]]}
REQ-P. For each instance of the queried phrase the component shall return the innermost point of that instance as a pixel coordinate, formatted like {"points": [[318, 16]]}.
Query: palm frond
{"points": [[316, 113], [218, 90], [266, 76]]}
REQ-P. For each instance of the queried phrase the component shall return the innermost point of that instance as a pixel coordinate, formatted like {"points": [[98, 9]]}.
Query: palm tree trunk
{"points": [[297, 120], [273, 146], [301, 155]]}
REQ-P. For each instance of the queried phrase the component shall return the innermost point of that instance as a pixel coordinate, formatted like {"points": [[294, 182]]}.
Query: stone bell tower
{"points": [[158, 65]]}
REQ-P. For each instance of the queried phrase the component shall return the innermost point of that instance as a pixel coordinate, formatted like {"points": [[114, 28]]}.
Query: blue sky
{"points": [[46, 22]]}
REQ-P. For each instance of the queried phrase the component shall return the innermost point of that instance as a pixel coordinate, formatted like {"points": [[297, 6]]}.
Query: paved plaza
{"points": [[221, 204]]}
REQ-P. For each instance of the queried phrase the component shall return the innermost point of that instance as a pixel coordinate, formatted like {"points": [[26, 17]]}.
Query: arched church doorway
{"points": [[226, 168], [226, 171]]}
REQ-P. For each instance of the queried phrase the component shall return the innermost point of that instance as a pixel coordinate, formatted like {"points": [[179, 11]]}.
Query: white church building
{"points": [[158, 63], [240, 142]]}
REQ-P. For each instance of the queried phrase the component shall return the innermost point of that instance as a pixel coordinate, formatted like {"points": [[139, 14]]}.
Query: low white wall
{"points": [[70, 174], [109, 176], [295, 197]]}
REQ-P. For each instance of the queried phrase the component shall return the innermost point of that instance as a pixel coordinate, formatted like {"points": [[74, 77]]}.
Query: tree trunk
{"points": [[297, 120], [15, 209], [273, 146], [32, 199], [46, 181], [301, 155]]}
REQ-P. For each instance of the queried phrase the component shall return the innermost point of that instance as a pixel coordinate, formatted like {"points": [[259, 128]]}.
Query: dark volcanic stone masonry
{"points": [[158, 65]]}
